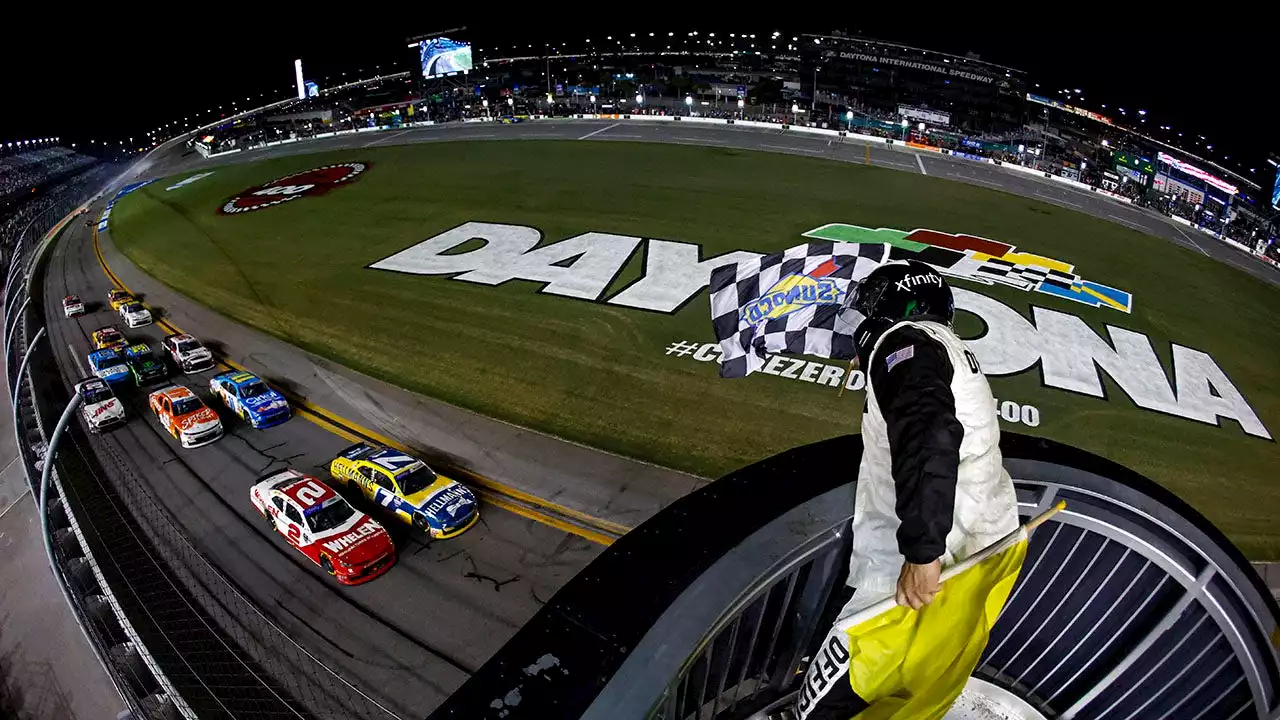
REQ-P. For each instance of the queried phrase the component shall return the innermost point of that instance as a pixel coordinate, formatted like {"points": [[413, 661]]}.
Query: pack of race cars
{"points": [[344, 542]]}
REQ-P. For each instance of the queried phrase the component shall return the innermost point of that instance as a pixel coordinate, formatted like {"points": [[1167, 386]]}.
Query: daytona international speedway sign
{"points": [[1069, 354]]}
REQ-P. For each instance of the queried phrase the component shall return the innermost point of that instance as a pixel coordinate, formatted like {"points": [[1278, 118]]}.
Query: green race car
{"points": [[143, 366]]}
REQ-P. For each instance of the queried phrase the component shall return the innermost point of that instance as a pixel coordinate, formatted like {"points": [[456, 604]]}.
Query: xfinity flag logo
{"points": [[1066, 352], [911, 281]]}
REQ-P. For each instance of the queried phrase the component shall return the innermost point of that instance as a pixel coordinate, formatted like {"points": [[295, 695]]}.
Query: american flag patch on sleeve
{"points": [[898, 356]]}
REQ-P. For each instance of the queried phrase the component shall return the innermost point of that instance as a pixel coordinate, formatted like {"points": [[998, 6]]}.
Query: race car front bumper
{"points": [[446, 533], [366, 572], [200, 439], [191, 367]]}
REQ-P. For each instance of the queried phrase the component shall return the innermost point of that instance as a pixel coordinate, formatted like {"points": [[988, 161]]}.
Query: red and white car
{"points": [[344, 542], [72, 306]]}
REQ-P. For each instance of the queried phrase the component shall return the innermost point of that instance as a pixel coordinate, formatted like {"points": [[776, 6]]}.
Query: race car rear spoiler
{"points": [[357, 451]]}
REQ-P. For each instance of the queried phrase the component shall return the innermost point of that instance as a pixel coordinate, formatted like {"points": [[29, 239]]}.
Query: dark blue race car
{"points": [[248, 396]]}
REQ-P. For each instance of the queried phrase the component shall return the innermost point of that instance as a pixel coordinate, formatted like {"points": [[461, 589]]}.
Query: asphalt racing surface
{"points": [[409, 637], [415, 634]]}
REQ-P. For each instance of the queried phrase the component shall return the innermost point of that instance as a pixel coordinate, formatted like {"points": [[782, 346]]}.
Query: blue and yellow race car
{"points": [[250, 398], [441, 507]]}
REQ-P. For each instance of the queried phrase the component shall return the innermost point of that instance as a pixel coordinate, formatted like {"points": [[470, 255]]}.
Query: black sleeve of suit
{"points": [[924, 438]]}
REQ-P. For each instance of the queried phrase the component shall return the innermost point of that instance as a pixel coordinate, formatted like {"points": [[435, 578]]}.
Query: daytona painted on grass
{"points": [[541, 282]]}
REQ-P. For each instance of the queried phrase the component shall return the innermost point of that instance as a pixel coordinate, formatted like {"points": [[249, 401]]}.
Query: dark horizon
{"points": [[1210, 89]]}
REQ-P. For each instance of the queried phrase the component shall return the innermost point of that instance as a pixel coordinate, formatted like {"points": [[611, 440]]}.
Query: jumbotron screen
{"points": [[442, 56], [1275, 191]]}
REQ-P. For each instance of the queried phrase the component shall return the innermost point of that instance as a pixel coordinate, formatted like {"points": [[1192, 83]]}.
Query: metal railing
{"points": [[177, 638], [1125, 608]]}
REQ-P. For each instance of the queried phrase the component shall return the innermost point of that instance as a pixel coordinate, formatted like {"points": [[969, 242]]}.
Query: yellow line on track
{"points": [[575, 522]]}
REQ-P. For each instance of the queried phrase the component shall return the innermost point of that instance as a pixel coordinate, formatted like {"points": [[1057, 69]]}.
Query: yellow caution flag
{"points": [[912, 665]]}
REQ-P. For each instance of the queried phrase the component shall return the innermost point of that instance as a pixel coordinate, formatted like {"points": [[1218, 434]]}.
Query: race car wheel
{"points": [[327, 565]]}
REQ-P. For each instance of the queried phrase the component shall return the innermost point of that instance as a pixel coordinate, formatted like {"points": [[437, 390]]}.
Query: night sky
{"points": [[108, 79]]}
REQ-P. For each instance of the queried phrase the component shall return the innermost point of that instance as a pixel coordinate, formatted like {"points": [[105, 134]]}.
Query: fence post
{"points": [[45, 474], [8, 335], [13, 391]]}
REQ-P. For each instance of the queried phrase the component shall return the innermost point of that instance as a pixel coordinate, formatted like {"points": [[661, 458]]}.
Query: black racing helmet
{"points": [[908, 290]]}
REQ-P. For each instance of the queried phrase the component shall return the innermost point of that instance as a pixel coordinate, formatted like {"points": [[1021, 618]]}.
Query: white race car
{"points": [[99, 406], [187, 353], [72, 306], [135, 315]]}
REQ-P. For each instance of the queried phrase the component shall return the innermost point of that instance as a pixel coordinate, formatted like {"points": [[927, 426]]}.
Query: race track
{"points": [[417, 633], [421, 629], [171, 159]]}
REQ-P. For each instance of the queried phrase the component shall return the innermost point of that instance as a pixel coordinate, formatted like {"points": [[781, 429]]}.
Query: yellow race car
{"points": [[107, 338], [441, 507], [118, 297]]}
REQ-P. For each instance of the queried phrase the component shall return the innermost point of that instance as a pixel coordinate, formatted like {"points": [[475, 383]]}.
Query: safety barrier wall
{"points": [[93, 606], [890, 143], [177, 638], [1129, 604]]}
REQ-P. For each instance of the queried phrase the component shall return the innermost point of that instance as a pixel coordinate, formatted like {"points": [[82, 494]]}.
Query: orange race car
{"points": [[185, 416]]}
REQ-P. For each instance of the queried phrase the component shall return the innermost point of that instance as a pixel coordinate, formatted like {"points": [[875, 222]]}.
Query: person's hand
{"points": [[918, 584]]}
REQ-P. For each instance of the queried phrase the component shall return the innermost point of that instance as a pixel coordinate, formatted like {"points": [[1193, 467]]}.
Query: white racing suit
{"points": [[931, 484]]}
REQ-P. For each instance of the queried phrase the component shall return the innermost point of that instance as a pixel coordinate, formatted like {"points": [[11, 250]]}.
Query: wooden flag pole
{"points": [[853, 361], [1023, 532], [1040, 519]]}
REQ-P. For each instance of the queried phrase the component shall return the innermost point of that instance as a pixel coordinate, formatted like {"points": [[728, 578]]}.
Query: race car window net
{"points": [[417, 480], [330, 516], [187, 345], [252, 389], [291, 512], [93, 396], [279, 503], [186, 405]]}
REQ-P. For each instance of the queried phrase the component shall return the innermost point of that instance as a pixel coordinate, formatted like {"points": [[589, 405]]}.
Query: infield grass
{"points": [[597, 373]]}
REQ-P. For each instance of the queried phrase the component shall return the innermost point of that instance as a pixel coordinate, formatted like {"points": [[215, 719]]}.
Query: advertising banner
{"points": [[1197, 173], [1042, 100], [924, 115]]}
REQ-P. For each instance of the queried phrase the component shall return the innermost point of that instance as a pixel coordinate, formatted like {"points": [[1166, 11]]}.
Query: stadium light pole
{"points": [[848, 121], [905, 124], [741, 104], [688, 101]]}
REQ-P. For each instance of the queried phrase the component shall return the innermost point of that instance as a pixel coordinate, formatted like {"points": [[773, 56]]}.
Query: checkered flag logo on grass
{"points": [[790, 302]]}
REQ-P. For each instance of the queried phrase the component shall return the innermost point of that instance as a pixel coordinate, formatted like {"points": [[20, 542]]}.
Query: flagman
{"points": [[932, 489]]}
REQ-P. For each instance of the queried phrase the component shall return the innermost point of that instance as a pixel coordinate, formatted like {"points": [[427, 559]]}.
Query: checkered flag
{"points": [[792, 302]]}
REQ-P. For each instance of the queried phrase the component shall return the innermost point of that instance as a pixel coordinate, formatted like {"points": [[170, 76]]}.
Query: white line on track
{"points": [[624, 135], [1058, 200], [597, 132], [891, 163], [1128, 224], [76, 357], [478, 135], [920, 162], [789, 148], [980, 180], [1193, 242], [388, 138], [706, 141]]}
